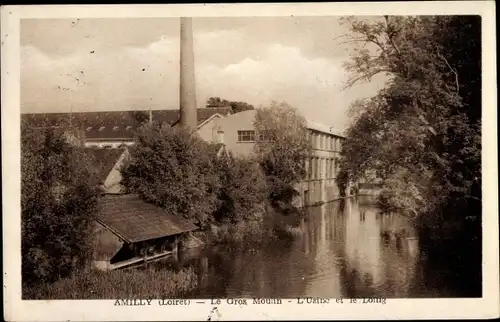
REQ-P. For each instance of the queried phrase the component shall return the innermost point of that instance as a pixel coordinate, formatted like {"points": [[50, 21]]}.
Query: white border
{"points": [[18, 310]]}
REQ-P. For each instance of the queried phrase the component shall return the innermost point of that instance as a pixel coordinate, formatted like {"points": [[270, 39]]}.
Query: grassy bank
{"points": [[273, 225], [134, 283]]}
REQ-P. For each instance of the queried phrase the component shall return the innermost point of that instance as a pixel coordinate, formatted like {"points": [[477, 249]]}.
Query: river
{"points": [[346, 249]]}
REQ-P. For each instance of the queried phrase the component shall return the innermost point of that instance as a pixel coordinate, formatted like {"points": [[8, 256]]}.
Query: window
{"points": [[115, 128], [128, 128], [89, 128], [102, 128], [246, 136]]}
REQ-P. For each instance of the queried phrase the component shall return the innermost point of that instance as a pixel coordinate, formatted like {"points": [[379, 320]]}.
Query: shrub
{"points": [[243, 192], [175, 170], [57, 204]]}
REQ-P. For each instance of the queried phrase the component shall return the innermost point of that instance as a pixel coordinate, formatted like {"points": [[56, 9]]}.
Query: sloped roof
{"points": [[120, 125], [102, 162], [206, 113], [135, 220], [323, 128]]}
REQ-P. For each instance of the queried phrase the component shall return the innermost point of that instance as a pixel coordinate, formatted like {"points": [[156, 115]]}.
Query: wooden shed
{"points": [[130, 231]]}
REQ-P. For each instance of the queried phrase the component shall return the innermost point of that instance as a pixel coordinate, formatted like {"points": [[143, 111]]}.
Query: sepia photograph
{"points": [[251, 160]]}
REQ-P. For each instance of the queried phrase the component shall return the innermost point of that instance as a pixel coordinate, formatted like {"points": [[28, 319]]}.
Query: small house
{"points": [[131, 231]]}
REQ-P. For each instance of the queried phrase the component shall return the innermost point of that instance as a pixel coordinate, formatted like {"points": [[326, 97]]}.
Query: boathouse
{"points": [[130, 231]]}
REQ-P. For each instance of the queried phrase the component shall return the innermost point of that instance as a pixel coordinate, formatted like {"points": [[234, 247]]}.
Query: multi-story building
{"points": [[238, 134]]}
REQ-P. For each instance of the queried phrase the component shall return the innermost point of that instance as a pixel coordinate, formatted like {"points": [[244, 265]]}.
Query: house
{"points": [[115, 129], [320, 185], [130, 231]]}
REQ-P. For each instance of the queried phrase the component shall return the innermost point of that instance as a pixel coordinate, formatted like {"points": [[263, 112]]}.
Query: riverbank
{"points": [[137, 283]]}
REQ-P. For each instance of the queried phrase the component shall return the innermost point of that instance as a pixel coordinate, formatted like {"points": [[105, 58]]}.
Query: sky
{"points": [[133, 63]]}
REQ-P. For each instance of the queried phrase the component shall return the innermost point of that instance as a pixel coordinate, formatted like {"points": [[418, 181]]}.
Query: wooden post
{"points": [[175, 250]]}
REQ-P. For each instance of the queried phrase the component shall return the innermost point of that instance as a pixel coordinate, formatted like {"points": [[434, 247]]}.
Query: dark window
{"points": [[246, 136]]}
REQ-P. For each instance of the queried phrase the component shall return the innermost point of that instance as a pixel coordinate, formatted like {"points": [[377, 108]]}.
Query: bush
{"points": [[243, 190], [57, 203], [175, 170]]}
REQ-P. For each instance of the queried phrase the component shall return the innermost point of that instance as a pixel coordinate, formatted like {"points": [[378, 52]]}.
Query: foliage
{"points": [[140, 117], [236, 106], [421, 133], [121, 284], [243, 192], [282, 148], [57, 204], [175, 170]]}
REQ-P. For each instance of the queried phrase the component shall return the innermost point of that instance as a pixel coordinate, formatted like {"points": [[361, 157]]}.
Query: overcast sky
{"points": [[124, 64]]}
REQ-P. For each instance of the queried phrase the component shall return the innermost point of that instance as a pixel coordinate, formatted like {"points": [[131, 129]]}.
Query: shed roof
{"points": [[135, 220]]}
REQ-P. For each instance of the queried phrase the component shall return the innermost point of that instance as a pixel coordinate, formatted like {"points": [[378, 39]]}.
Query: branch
{"points": [[454, 71], [390, 34], [367, 77]]}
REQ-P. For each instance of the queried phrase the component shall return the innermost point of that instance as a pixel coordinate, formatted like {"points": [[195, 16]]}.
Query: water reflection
{"points": [[346, 249]]}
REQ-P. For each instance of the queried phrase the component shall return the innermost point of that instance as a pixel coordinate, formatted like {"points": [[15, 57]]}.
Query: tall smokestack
{"points": [[188, 110]]}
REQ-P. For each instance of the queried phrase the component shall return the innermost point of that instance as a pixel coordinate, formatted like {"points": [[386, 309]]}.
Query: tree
{"points": [[174, 169], [421, 133], [243, 190], [57, 205], [140, 117], [236, 106], [282, 148]]}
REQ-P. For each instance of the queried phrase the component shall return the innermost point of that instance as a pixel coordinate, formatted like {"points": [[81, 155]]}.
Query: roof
{"points": [[119, 125], [206, 113], [135, 220], [102, 162], [315, 126]]}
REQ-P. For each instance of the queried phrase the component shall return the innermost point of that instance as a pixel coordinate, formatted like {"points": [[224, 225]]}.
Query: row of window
{"points": [[323, 141], [319, 141], [249, 136], [115, 128], [321, 168]]}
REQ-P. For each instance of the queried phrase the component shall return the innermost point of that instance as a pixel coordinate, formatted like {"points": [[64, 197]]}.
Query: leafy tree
{"points": [[57, 204], [174, 169], [140, 116], [421, 133], [243, 192], [236, 106], [282, 148]]}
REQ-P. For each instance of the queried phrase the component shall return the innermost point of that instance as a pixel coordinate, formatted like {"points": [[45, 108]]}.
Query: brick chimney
{"points": [[187, 97]]}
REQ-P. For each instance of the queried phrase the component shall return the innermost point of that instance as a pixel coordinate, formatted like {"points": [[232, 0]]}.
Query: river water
{"points": [[346, 249]]}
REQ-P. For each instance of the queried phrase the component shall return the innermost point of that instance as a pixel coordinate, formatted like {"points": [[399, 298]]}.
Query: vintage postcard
{"points": [[296, 161]]}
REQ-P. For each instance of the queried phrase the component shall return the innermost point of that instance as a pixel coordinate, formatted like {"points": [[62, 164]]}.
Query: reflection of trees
{"points": [[274, 271], [380, 253], [345, 249]]}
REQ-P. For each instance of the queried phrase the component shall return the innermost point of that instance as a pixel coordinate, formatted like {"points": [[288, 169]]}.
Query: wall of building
{"points": [[110, 144], [106, 245], [230, 126]]}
